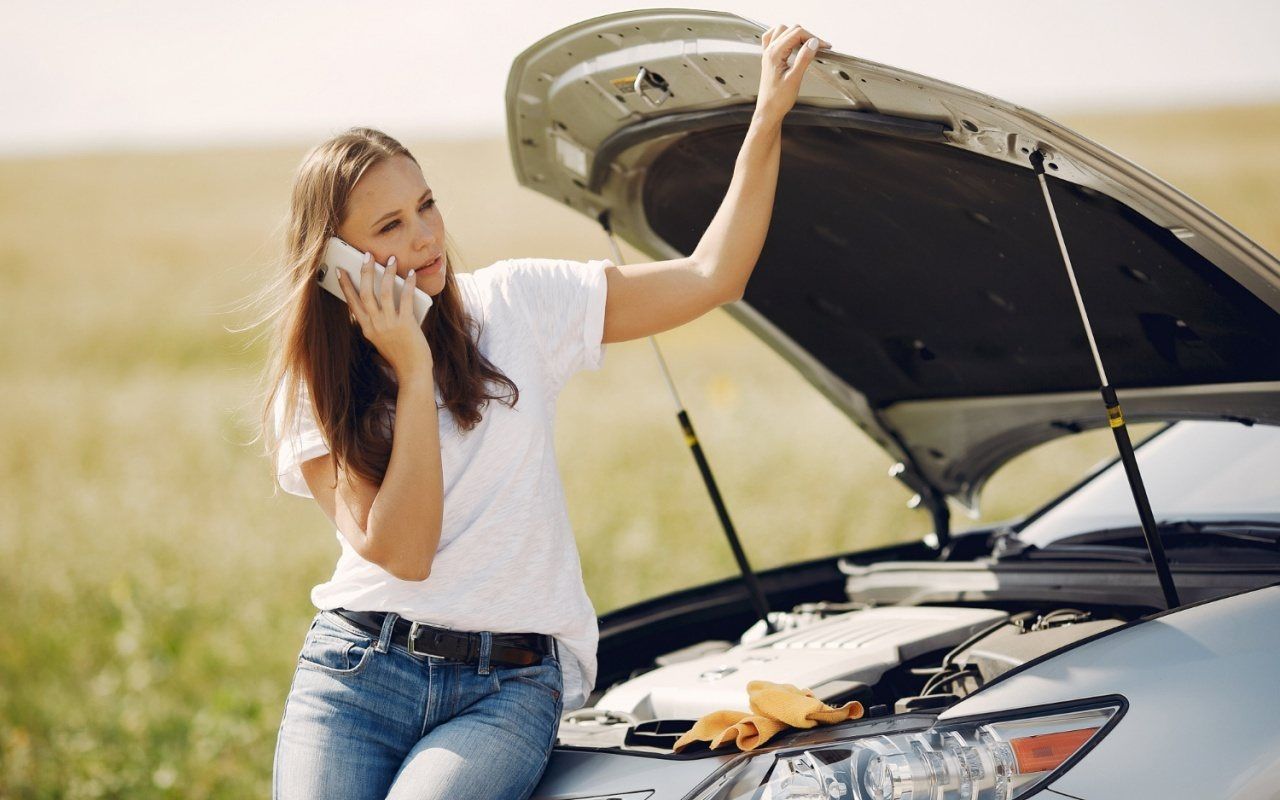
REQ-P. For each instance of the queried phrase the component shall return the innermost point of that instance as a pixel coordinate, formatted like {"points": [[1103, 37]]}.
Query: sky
{"points": [[86, 76]]}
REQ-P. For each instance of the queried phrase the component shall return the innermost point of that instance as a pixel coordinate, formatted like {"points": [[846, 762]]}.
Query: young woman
{"points": [[456, 629]]}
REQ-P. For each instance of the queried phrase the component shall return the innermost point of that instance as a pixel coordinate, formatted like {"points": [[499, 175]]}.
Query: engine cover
{"points": [[823, 657]]}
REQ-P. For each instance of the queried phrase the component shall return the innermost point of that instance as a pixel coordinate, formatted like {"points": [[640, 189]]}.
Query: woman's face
{"points": [[392, 212]]}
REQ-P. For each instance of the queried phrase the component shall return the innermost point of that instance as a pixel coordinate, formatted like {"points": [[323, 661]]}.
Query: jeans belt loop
{"points": [[486, 647], [388, 629]]}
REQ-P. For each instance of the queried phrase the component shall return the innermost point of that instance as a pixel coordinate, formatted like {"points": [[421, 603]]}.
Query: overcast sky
{"points": [[80, 75]]}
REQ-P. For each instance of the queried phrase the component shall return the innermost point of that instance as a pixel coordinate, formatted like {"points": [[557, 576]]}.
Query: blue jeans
{"points": [[366, 718]]}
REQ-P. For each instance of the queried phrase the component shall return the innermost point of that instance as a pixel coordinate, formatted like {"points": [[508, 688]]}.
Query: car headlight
{"points": [[995, 757]]}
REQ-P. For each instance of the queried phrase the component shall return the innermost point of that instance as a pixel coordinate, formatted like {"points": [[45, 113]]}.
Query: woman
{"points": [[456, 628]]}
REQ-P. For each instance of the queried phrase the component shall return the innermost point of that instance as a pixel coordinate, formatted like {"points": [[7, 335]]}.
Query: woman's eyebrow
{"points": [[390, 214]]}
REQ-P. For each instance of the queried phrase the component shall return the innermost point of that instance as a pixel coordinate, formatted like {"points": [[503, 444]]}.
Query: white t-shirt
{"points": [[507, 560]]}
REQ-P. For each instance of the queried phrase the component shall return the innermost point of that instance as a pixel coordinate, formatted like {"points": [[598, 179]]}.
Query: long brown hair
{"points": [[318, 349]]}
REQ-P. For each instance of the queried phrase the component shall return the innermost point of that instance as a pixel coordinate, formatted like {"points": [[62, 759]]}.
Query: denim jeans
{"points": [[366, 718]]}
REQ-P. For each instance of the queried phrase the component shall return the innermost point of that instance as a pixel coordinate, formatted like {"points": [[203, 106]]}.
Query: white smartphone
{"points": [[340, 255]]}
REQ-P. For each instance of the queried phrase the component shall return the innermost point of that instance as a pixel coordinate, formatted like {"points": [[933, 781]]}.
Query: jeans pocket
{"points": [[334, 652]]}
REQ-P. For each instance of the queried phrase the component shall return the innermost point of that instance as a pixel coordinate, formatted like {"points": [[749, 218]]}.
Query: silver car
{"points": [[916, 273]]}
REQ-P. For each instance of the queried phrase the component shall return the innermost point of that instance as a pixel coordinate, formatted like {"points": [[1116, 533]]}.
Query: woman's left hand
{"points": [[780, 84]]}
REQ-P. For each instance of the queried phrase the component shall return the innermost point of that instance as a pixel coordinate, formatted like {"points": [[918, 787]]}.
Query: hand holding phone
{"points": [[341, 256], [389, 326]]}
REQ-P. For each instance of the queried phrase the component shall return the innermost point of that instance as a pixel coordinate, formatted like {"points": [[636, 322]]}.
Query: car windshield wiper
{"points": [[1128, 544]]}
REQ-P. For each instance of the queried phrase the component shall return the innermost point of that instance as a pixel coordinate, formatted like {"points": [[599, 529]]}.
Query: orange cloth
{"points": [[776, 707]]}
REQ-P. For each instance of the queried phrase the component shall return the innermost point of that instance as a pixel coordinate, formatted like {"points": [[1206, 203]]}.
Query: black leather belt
{"points": [[508, 649]]}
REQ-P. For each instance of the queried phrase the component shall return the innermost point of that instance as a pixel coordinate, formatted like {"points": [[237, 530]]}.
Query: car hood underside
{"points": [[911, 271]]}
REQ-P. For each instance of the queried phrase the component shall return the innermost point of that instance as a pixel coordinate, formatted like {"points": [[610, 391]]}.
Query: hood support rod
{"points": [[1115, 416], [756, 594]]}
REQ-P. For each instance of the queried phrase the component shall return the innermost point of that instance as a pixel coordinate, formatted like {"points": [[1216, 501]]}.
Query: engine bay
{"points": [[893, 659]]}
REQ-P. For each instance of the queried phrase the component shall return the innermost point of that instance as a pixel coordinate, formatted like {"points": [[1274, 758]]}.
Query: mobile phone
{"points": [[340, 255]]}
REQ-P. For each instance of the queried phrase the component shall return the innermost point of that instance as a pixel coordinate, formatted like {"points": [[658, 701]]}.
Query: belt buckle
{"points": [[439, 653], [412, 638]]}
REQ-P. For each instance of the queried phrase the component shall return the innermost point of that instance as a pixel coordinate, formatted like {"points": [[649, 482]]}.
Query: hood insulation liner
{"points": [[917, 270]]}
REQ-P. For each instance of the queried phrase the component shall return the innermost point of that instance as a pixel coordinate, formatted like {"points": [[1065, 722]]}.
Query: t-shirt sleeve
{"points": [[563, 302], [302, 443]]}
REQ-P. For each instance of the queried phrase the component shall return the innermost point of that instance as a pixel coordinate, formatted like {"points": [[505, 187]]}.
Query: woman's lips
{"points": [[433, 267]]}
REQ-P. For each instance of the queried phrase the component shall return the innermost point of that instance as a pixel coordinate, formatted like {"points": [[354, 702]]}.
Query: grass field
{"points": [[156, 592]]}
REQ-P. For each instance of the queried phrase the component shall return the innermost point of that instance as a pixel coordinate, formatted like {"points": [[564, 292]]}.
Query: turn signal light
{"points": [[1047, 751]]}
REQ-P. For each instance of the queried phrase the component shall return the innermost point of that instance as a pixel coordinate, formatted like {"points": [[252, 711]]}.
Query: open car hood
{"points": [[911, 271]]}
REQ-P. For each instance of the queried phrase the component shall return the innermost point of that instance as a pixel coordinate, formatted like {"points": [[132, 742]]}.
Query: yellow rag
{"points": [[776, 707]]}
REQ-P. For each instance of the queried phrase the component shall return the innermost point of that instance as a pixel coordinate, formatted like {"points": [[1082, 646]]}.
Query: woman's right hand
{"points": [[393, 331], [780, 81]]}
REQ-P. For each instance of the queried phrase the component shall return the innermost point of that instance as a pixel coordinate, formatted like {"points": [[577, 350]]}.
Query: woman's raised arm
{"points": [[644, 299]]}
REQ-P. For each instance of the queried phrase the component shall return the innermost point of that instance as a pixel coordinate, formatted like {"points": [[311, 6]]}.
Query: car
{"points": [[916, 274]]}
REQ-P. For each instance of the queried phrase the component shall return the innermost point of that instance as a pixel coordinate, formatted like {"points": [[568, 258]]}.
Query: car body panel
{"points": [[586, 774], [978, 356], [1184, 674]]}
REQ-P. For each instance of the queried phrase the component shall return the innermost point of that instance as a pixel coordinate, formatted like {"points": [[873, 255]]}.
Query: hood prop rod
{"points": [[1115, 417], [756, 594]]}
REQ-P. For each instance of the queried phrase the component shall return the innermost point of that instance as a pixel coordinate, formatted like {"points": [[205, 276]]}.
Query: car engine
{"points": [[907, 658]]}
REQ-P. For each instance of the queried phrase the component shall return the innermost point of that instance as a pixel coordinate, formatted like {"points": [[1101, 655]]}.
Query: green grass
{"points": [[157, 591]]}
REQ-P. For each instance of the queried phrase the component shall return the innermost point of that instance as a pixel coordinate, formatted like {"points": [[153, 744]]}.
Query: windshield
{"points": [[1193, 471]]}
